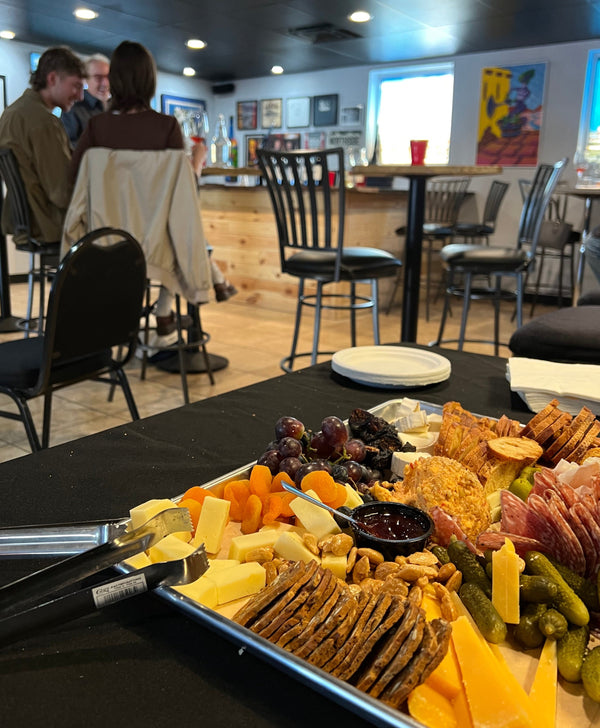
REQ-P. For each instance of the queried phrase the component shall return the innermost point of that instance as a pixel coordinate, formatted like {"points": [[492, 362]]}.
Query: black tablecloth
{"points": [[141, 662]]}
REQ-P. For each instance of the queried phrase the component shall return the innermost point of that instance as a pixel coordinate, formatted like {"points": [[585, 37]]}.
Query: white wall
{"points": [[565, 74]]}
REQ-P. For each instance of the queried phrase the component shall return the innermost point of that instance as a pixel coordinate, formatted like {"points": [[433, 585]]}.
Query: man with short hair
{"points": [[39, 141], [95, 98]]}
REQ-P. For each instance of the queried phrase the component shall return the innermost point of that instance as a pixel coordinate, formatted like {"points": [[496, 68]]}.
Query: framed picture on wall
{"points": [[325, 110], [253, 143], [282, 142], [173, 105], [271, 113], [298, 112], [247, 115], [351, 115]]}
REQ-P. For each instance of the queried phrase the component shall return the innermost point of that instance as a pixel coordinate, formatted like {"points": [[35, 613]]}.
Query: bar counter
{"points": [[141, 662]]}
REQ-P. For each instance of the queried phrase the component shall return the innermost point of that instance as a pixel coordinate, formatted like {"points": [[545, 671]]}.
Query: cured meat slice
{"points": [[589, 550], [495, 540], [567, 493], [557, 501], [514, 514], [590, 524], [543, 480], [556, 533], [446, 526]]}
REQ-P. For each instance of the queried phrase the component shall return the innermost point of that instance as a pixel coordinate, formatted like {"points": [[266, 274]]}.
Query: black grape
{"points": [[355, 449], [334, 431], [290, 466], [270, 458], [289, 427], [289, 447], [320, 445]]}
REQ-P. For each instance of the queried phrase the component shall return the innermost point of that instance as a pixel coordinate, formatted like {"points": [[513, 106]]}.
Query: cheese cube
{"points": [[315, 519], [238, 581], [241, 545], [138, 561], [337, 564], [211, 524], [401, 459], [218, 564], [170, 548], [505, 582], [353, 498], [145, 511], [202, 590], [290, 546]]}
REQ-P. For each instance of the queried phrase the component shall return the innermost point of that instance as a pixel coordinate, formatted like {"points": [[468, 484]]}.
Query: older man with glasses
{"points": [[95, 98]]}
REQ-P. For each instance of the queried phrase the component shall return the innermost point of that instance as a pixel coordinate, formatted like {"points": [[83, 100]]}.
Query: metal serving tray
{"points": [[67, 539]]}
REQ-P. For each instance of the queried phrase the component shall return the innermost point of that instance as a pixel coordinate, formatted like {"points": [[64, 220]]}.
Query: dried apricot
{"points": [[260, 481], [237, 493], [252, 514], [273, 508], [322, 483], [340, 496], [276, 486], [194, 507], [197, 493], [286, 499]]}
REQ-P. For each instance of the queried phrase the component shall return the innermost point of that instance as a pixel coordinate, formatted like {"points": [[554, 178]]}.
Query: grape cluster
{"points": [[298, 451]]}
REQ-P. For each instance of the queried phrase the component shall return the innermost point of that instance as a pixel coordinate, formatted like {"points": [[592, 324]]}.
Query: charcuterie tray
{"points": [[573, 710]]}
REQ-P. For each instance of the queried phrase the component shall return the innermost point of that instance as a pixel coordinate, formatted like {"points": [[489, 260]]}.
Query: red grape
{"points": [[334, 431], [355, 470], [355, 450], [290, 466], [320, 446], [270, 458], [288, 427], [289, 447]]}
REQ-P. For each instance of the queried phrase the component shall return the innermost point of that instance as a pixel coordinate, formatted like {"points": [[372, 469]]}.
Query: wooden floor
{"points": [[254, 341]]}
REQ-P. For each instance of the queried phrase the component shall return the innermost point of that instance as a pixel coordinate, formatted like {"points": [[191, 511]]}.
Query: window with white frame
{"points": [[410, 102], [588, 143]]}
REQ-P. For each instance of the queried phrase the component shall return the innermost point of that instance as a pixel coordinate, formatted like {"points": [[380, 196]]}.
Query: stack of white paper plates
{"points": [[391, 366]]}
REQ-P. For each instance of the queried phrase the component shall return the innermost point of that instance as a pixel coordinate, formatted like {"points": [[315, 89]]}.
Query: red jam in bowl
{"points": [[397, 526], [392, 528]]}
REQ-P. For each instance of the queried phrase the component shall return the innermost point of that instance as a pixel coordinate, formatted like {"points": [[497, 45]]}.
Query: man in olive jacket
{"points": [[39, 141]]}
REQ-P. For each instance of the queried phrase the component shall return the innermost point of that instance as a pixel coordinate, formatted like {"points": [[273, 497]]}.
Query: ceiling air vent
{"points": [[323, 33]]}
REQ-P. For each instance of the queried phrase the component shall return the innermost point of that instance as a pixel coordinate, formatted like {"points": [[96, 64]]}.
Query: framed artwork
{"points": [[247, 115], [511, 111], [351, 115], [325, 110], [283, 142], [314, 140], [271, 113], [344, 139], [173, 105], [2, 93], [298, 112], [253, 143]]}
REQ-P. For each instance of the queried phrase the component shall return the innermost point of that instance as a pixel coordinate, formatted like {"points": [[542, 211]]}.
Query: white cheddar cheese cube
{"points": [[353, 498], [315, 519], [337, 564], [202, 590], [145, 511], [170, 548], [218, 564], [290, 546], [138, 561], [241, 545], [211, 524], [239, 581]]}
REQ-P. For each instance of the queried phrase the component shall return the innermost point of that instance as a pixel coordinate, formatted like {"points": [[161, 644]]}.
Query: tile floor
{"points": [[253, 340]]}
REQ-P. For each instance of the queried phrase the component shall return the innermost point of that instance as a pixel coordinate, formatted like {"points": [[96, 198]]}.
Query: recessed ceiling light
{"points": [[188, 71], [7, 34], [195, 44], [277, 70], [360, 16], [85, 14]]}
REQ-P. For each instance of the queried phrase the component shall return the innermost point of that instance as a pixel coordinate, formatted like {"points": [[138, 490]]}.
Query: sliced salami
{"points": [[514, 514], [543, 480], [567, 493], [495, 540], [558, 502], [446, 526], [592, 527], [556, 533], [591, 553]]}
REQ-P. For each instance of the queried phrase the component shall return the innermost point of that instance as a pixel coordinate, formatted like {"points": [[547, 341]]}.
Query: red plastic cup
{"points": [[418, 148], [197, 139], [332, 179]]}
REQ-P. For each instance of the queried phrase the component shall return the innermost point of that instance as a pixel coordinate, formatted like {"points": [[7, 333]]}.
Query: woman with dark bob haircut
{"points": [[130, 123]]}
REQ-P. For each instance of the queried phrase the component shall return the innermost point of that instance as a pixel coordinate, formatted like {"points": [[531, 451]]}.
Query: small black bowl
{"points": [[394, 529]]}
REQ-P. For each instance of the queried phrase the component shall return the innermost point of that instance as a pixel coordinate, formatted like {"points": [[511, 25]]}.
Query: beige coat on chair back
{"points": [[152, 195]]}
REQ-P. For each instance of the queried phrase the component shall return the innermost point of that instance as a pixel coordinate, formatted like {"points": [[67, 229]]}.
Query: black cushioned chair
{"points": [[309, 213], [43, 256], [95, 304], [467, 262], [472, 231]]}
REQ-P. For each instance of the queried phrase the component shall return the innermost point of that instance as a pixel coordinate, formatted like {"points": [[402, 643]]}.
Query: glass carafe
{"points": [[220, 148]]}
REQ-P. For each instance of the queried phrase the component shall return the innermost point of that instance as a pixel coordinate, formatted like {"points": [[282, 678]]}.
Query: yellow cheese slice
{"points": [[543, 690], [431, 708], [214, 516], [337, 564], [290, 546], [241, 545], [445, 679], [491, 701], [505, 582], [238, 581], [170, 548], [315, 519], [203, 590], [461, 710], [218, 564], [353, 498]]}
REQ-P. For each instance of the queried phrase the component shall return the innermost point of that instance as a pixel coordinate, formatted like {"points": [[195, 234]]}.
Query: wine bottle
{"points": [[220, 148], [234, 150]]}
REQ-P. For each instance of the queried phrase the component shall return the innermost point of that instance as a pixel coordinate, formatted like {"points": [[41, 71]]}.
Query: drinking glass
{"points": [[200, 127]]}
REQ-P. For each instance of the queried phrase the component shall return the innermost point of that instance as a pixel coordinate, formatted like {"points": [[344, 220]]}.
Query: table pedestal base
{"points": [[194, 363]]}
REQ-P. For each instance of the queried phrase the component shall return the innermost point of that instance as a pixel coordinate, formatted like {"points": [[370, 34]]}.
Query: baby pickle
{"points": [[590, 674]]}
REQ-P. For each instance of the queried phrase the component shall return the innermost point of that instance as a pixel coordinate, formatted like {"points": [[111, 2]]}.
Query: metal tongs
{"points": [[34, 593]]}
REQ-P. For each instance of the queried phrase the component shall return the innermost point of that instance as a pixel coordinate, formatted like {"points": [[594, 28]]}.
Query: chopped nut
{"points": [[422, 581], [400, 560], [375, 557], [423, 558], [395, 586], [455, 581], [261, 554], [412, 572], [447, 607], [371, 586], [361, 570], [339, 544], [387, 568], [310, 541], [351, 559], [445, 572]]}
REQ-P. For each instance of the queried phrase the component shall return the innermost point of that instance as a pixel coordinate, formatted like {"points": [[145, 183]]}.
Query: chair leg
{"points": [[194, 311], [497, 314], [42, 290], [519, 300], [46, 420], [353, 313], [299, 305], [445, 310], [181, 352], [317, 328], [375, 309], [28, 423], [146, 334], [428, 281], [30, 282], [465, 311], [393, 293], [537, 283], [124, 382]]}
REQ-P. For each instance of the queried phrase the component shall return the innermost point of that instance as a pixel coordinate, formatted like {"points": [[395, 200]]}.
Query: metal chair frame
{"points": [[482, 230]]}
